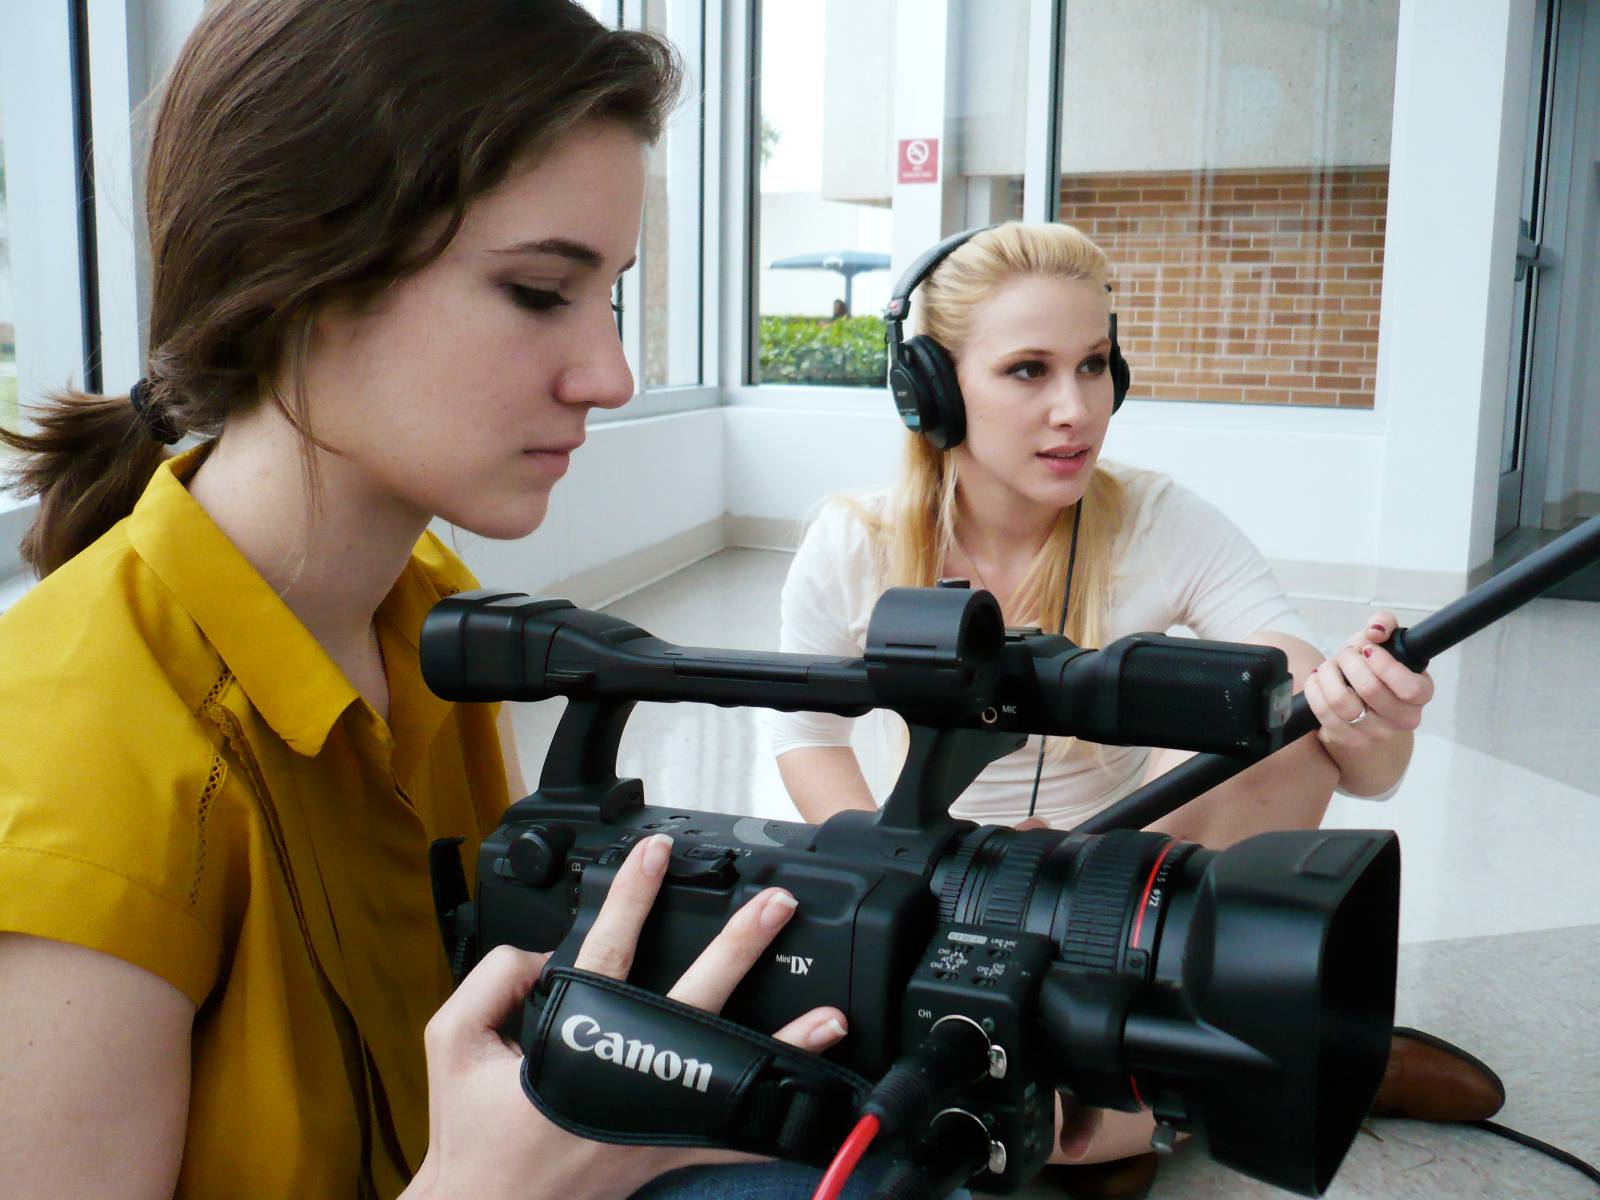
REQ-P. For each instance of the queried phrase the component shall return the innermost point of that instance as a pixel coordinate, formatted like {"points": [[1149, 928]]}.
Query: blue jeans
{"points": [[760, 1181]]}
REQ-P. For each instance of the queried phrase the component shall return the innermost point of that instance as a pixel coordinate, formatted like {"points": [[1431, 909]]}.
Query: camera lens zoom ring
{"points": [[1105, 888], [956, 876], [1013, 883]]}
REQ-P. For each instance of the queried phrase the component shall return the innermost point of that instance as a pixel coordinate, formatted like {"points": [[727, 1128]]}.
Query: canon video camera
{"points": [[1246, 993]]}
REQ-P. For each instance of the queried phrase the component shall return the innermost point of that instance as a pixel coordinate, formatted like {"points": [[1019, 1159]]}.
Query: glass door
{"points": [[1532, 260]]}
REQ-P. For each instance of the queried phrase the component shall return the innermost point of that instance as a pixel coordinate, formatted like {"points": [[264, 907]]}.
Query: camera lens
{"points": [[1206, 984], [1087, 893]]}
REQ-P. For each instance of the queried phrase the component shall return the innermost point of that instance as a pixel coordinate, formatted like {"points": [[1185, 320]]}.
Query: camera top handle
{"points": [[969, 689], [1414, 647], [932, 653]]}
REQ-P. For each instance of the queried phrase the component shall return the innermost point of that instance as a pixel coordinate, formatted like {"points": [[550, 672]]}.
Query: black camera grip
{"points": [[616, 1063]]}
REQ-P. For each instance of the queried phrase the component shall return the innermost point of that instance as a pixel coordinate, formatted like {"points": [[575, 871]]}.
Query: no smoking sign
{"points": [[919, 160]]}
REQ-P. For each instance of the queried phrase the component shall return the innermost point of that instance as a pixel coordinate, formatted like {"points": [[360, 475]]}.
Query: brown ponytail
{"points": [[304, 151], [87, 462]]}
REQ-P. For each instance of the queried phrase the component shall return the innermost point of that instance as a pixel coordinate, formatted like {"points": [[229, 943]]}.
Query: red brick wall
{"points": [[1258, 287]]}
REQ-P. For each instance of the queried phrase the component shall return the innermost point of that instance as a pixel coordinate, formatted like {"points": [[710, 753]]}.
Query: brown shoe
{"points": [[1428, 1079], [1121, 1178]]}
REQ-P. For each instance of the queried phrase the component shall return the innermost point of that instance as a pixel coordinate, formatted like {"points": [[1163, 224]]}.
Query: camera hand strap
{"points": [[615, 1063]]}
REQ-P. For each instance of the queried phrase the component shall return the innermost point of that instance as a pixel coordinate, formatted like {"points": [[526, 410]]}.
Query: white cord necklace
{"points": [[973, 563]]}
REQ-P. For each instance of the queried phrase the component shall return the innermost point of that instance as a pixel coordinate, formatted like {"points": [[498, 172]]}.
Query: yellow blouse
{"points": [[188, 782]]}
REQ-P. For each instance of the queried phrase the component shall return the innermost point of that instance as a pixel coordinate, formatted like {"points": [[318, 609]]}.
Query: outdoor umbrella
{"points": [[848, 263]]}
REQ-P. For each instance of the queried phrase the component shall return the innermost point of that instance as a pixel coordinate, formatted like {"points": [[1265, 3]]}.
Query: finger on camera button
{"points": [[612, 939]]}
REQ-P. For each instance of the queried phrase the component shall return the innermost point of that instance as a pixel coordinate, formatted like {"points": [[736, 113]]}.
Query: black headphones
{"points": [[922, 376]]}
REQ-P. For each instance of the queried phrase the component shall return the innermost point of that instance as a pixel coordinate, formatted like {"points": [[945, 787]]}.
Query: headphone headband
{"points": [[900, 301]]}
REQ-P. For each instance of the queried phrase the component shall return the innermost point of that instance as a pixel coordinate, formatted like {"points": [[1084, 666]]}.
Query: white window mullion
{"points": [[633, 317], [685, 151], [1041, 184], [734, 230], [116, 215], [711, 148]]}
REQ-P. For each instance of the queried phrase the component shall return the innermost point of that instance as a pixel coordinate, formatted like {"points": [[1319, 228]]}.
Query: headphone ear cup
{"points": [[1121, 377], [937, 381], [910, 394]]}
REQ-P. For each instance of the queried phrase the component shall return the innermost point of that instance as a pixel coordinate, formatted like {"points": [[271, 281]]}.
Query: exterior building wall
{"points": [[1257, 287]]}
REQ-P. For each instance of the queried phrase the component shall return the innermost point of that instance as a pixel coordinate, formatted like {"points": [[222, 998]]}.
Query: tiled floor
{"points": [[1499, 817]]}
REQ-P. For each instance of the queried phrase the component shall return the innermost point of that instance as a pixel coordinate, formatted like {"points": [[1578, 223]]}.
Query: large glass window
{"points": [[1233, 161], [878, 132]]}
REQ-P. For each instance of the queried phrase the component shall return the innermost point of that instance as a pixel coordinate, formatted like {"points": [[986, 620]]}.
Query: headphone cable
{"points": [[1061, 628], [1533, 1143]]}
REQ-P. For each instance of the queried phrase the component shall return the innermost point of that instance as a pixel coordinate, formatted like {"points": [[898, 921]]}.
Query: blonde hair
{"points": [[916, 530]]}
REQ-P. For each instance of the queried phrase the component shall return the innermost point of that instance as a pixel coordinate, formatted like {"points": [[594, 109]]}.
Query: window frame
{"points": [[42, 70], [689, 157], [1041, 189], [1041, 202]]}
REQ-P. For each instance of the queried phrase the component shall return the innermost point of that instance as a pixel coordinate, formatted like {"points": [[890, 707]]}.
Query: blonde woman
{"points": [[1008, 390]]}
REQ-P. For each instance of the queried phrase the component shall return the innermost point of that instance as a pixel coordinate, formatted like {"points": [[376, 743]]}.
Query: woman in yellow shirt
{"points": [[384, 239]]}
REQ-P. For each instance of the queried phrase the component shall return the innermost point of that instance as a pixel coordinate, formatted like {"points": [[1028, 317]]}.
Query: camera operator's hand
{"points": [[486, 1140]]}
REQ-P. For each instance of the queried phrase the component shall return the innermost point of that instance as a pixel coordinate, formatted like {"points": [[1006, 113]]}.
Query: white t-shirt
{"points": [[1176, 561]]}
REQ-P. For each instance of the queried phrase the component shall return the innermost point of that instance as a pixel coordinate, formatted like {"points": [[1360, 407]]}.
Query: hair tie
{"points": [[156, 423]]}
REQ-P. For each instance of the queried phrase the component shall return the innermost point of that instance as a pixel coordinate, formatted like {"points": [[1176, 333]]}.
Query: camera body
{"points": [[1222, 989], [868, 937], [1125, 968]]}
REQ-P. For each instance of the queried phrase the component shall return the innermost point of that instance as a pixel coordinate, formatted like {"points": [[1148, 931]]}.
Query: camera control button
{"points": [[713, 870], [538, 855]]}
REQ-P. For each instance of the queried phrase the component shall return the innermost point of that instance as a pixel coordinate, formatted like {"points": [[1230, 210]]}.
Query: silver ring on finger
{"points": [[1360, 718]]}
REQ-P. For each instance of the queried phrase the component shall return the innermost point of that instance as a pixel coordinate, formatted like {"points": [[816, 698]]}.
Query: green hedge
{"points": [[10, 418], [848, 352]]}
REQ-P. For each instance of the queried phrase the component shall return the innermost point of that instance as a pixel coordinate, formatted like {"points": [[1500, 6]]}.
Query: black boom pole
{"points": [[1414, 647]]}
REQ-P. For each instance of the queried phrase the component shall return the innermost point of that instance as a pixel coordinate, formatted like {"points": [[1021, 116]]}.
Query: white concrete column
{"points": [[1461, 89], [922, 48]]}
